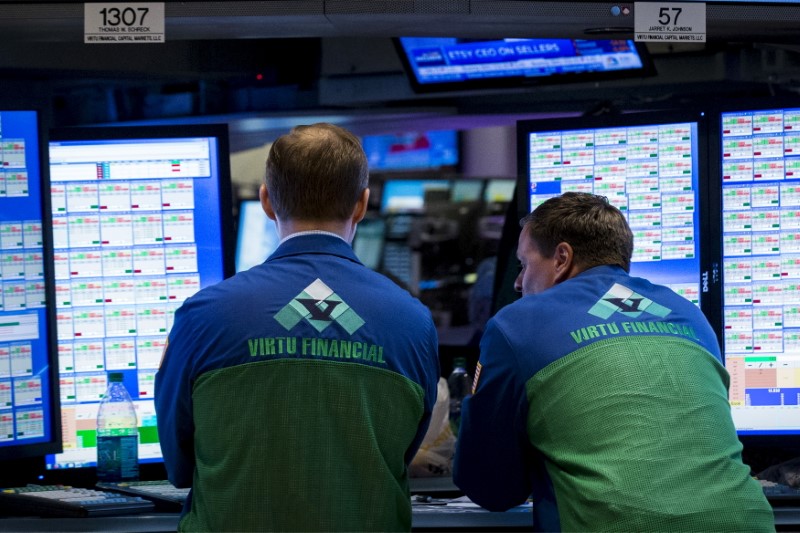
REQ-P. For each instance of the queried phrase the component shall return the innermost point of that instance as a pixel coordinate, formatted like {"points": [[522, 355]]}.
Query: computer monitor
{"points": [[30, 422], [499, 190], [413, 150], [408, 195], [454, 64], [756, 166], [141, 221], [369, 241], [256, 235], [647, 164], [466, 190]]}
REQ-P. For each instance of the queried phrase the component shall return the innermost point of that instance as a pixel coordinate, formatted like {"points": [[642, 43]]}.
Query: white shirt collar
{"points": [[312, 232]]}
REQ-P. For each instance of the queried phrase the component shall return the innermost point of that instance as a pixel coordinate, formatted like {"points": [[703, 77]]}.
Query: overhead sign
{"points": [[669, 22], [123, 23]]}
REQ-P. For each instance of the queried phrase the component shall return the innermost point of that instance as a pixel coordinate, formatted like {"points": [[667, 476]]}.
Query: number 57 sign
{"points": [[123, 23], [669, 22]]}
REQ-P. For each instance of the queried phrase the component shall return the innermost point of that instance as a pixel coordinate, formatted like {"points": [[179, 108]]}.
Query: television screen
{"points": [[257, 236], [759, 174], [141, 221], [424, 150], [29, 418], [647, 164], [447, 63]]}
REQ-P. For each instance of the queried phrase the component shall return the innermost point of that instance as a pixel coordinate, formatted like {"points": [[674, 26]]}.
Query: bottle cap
{"points": [[460, 362], [115, 377]]}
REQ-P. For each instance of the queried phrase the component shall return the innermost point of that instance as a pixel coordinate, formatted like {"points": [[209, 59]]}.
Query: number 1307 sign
{"points": [[123, 23]]}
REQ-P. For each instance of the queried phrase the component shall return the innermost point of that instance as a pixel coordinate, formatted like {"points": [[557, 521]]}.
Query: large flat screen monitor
{"points": [[758, 171], [453, 64], [647, 164], [141, 221], [29, 418]]}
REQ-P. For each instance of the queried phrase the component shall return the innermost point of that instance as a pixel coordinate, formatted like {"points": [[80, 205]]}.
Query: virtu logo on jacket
{"points": [[620, 299], [320, 306]]}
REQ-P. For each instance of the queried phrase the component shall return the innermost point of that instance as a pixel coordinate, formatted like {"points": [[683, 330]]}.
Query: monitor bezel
{"points": [[519, 82], [11, 457], [709, 292], [756, 442], [154, 469]]}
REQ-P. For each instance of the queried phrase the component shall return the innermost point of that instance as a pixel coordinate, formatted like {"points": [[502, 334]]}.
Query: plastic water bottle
{"points": [[459, 384], [117, 434]]}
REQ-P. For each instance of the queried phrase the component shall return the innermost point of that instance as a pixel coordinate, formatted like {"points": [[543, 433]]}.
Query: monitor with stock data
{"points": [[646, 164], [29, 418], [141, 221], [757, 168]]}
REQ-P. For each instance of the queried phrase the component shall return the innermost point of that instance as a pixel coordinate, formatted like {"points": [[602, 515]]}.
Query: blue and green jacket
{"points": [[605, 398], [293, 395]]}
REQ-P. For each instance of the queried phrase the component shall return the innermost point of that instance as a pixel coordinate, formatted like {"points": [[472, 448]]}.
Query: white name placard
{"points": [[123, 23], [671, 22]]}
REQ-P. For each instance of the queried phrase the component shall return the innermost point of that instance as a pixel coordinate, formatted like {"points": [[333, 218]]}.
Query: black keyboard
{"points": [[69, 502], [780, 495], [163, 494]]}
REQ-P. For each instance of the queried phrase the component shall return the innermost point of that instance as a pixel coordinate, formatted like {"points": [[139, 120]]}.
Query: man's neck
{"points": [[345, 229]]}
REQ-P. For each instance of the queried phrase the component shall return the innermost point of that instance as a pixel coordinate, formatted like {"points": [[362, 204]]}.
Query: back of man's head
{"points": [[316, 173], [596, 230]]}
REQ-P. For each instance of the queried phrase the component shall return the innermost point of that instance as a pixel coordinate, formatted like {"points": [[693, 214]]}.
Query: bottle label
{"points": [[117, 458], [118, 431]]}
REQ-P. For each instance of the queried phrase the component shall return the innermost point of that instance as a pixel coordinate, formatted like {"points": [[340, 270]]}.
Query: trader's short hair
{"points": [[596, 230], [317, 173]]}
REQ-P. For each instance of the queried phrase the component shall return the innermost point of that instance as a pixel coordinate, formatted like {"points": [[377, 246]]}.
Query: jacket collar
{"points": [[314, 244]]}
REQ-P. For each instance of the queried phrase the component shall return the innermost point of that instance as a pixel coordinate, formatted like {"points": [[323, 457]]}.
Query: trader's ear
{"points": [[360, 210], [266, 205], [564, 258]]}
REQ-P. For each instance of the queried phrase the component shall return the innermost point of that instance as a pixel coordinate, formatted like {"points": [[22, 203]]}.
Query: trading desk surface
{"points": [[424, 518], [786, 519], [436, 505]]}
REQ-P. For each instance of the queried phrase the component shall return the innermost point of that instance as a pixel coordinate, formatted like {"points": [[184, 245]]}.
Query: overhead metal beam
{"points": [[31, 21]]}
